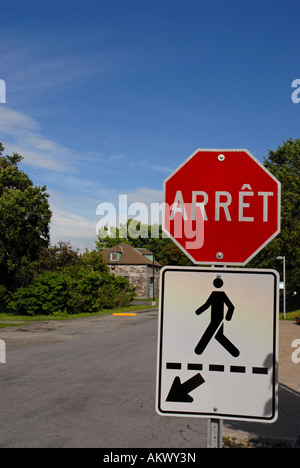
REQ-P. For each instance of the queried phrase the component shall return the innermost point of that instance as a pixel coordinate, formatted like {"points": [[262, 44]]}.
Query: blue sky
{"points": [[108, 97]]}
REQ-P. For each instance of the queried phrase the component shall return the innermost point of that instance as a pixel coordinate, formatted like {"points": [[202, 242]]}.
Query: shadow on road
{"points": [[285, 428]]}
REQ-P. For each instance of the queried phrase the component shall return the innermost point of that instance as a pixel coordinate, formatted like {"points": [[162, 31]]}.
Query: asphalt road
{"points": [[87, 383]]}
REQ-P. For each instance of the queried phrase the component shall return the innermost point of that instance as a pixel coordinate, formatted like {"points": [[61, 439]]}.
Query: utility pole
{"points": [[284, 286]]}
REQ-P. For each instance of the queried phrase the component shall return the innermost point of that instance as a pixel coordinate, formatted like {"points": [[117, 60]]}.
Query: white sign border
{"points": [[274, 391]]}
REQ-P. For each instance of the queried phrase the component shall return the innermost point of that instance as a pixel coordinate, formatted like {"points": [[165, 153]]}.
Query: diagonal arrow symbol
{"points": [[180, 391]]}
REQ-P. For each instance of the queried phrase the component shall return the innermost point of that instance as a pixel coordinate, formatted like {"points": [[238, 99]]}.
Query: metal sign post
{"points": [[215, 426], [215, 433]]}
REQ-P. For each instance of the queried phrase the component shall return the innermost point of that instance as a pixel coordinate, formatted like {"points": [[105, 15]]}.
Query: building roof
{"points": [[128, 255]]}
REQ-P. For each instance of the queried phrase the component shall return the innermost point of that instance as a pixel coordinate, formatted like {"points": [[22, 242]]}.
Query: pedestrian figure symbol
{"points": [[217, 300]]}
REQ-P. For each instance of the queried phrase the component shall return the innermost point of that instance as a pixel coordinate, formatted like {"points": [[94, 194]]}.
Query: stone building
{"points": [[137, 266]]}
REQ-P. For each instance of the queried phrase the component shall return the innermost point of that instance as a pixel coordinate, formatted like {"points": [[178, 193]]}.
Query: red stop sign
{"points": [[221, 206]]}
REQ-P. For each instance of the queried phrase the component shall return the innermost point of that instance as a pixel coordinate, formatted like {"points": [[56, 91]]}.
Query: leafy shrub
{"points": [[84, 287]]}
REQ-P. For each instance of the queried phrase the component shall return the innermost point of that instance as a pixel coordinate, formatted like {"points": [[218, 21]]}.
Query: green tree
{"points": [[170, 254], [284, 164], [144, 236], [70, 285], [24, 222], [57, 256]]}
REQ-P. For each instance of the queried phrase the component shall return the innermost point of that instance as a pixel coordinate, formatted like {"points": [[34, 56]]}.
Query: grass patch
{"points": [[5, 325], [289, 315], [10, 317]]}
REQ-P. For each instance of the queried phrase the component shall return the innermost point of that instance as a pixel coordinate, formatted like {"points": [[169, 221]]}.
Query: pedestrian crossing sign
{"points": [[217, 351]]}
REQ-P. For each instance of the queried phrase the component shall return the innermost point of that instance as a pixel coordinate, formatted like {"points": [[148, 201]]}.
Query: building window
{"points": [[114, 256], [150, 257]]}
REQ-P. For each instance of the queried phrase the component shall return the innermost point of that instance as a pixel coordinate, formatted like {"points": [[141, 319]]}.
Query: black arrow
{"points": [[180, 391]]}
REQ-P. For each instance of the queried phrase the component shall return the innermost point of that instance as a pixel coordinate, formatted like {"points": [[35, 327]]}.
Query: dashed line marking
{"points": [[218, 368], [259, 370], [173, 365], [239, 369], [192, 366]]}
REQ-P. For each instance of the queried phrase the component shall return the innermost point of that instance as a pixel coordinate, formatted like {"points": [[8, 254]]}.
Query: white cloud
{"points": [[71, 227], [80, 230], [117, 157], [38, 68], [145, 195], [141, 163], [74, 216], [142, 204], [20, 134]]}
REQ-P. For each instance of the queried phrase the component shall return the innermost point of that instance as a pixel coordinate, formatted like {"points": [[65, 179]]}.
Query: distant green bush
{"points": [[86, 286]]}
